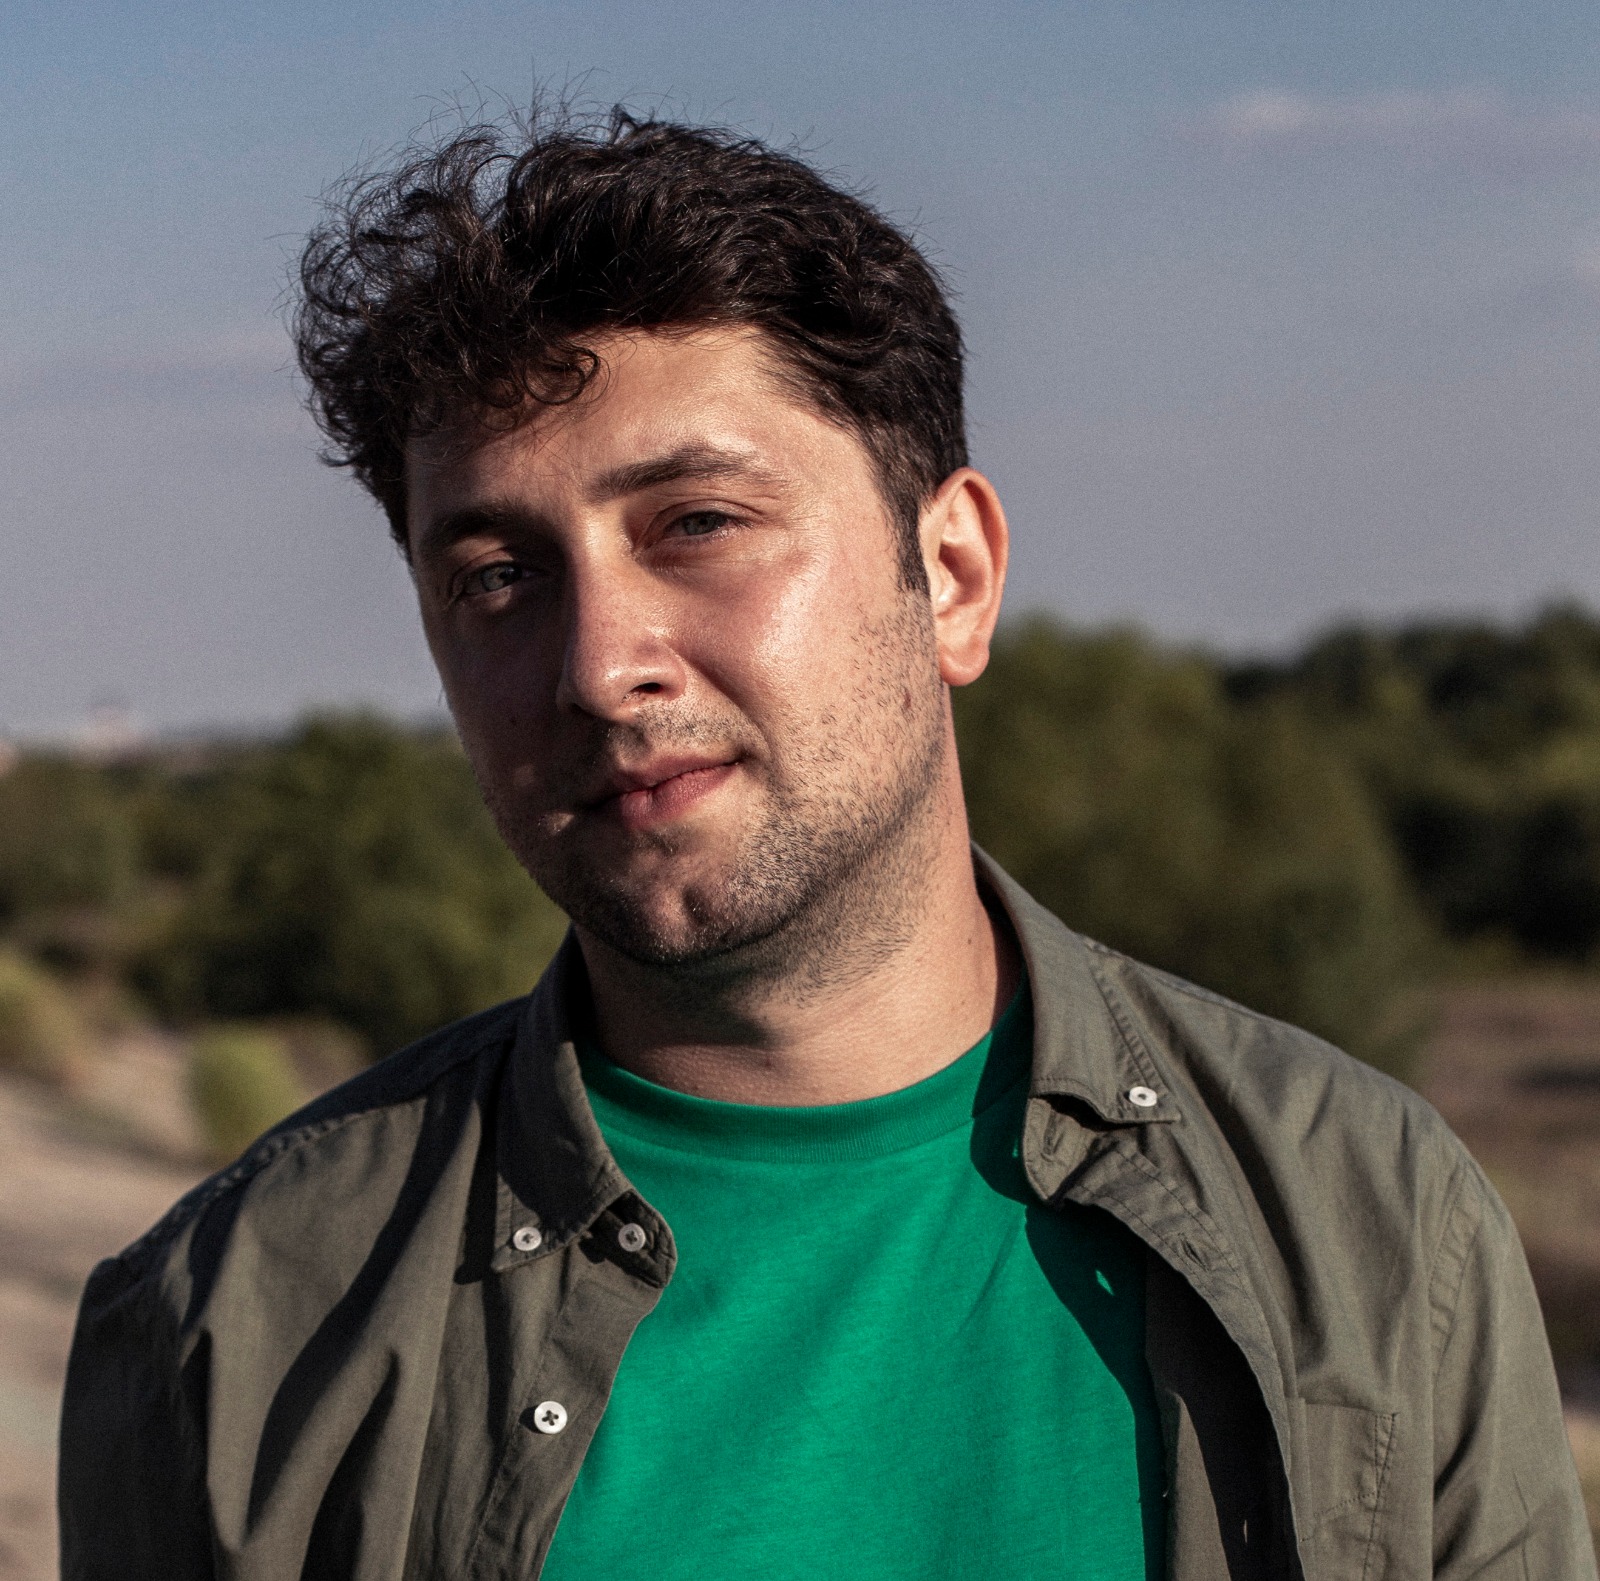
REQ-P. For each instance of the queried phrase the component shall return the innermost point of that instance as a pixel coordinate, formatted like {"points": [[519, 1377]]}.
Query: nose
{"points": [[618, 651]]}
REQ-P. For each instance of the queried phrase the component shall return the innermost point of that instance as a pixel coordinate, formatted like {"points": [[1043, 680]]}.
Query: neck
{"points": [[891, 995]]}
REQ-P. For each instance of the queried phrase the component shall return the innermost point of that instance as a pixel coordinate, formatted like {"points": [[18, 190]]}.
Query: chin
{"points": [[674, 925]]}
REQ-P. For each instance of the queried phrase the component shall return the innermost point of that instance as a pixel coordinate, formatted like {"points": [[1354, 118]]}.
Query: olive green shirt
{"points": [[378, 1346]]}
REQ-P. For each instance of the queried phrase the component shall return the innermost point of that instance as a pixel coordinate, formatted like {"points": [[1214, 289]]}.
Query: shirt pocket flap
{"points": [[1347, 1455]]}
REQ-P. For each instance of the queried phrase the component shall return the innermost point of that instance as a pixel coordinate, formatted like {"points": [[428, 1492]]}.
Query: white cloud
{"points": [[1467, 127]]}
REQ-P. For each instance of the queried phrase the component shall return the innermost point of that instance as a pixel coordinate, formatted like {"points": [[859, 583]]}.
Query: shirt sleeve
{"points": [[131, 1486], [1506, 1496]]}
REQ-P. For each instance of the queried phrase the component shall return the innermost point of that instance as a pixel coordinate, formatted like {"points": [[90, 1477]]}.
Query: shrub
{"points": [[40, 1031], [242, 1081]]}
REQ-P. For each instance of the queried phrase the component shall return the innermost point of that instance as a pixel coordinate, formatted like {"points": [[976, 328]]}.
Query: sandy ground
{"points": [[1515, 1070], [79, 1179]]}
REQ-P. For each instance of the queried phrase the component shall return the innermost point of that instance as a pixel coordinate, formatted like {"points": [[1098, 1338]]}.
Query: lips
{"points": [[661, 791]]}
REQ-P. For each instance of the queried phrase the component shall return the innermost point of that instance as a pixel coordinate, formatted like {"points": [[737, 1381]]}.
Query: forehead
{"points": [[654, 393]]}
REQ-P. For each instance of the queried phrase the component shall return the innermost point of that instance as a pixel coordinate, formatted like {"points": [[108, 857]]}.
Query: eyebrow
{"points": [[453, 526], [692, 462], [697, 462]]}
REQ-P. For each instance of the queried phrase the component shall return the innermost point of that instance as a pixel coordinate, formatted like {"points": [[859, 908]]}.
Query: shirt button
{"points": [[631, 1238], [550, 1416], [1143, 1097], [526, 1239]]}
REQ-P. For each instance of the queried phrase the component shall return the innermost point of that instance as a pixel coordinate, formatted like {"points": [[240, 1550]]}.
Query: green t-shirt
{"points": [[878, 1356]]}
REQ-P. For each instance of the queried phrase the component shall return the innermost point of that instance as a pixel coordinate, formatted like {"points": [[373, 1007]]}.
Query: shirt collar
{"points": [[1082, 1047], [557, 1176]]}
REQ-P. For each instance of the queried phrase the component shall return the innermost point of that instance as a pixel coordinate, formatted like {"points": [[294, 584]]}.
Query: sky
{"points": [[1277, 316]]}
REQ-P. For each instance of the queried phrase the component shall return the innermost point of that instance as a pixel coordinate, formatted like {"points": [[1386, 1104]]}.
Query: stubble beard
{"points": [[826, 883]]}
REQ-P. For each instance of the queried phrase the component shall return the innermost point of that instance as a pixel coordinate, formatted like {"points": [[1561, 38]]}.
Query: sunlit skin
{"points": [[672, 627]]}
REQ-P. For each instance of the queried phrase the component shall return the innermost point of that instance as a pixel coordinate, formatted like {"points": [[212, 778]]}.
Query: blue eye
{"points": [[494, 578], [697, 524]]}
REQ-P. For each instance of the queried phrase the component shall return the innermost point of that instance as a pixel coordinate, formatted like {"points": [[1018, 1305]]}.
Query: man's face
{"points": [[672, 629]]}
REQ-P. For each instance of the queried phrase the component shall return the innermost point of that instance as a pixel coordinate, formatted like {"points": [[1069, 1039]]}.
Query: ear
{"points": [[965, 544]]}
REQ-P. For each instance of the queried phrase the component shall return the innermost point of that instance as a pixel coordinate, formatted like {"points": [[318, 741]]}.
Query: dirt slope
{"points": [[78, 1181]]}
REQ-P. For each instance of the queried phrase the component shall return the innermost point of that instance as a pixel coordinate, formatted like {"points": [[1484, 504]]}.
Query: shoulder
{"points": [[363, 1131], [1287, 1109], [1299, 1116]]}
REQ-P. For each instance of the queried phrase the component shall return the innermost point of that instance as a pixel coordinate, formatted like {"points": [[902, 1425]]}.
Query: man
{"points": [[828, 1209]]}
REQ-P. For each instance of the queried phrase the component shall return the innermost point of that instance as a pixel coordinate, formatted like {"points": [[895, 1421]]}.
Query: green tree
{"points": [[68, 838], [349, 871], [1481, 747], [1227, 844]]}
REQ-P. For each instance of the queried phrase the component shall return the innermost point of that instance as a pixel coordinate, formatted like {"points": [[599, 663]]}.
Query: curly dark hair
{"points": [[468, 277]]}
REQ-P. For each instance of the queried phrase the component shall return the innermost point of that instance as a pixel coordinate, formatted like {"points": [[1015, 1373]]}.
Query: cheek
{"points": [[493, 690], [792, 636], [766, 658]]}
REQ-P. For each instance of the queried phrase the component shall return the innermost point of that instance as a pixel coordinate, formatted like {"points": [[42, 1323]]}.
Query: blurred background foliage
{"points": [[241, 1081], [347, 872], [1314, 837], [1229, 842]]}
